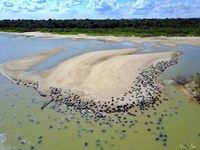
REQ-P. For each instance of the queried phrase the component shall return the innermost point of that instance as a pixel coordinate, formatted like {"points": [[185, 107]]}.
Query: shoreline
{"points": [[163, 40]]}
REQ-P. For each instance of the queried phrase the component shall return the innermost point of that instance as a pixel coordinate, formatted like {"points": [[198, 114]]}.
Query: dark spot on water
{"points": [[103, 131], [123, 131], [39, 141], [19, 138], [32, 146], [23, 142], [157, 139], [31, 120], [97, 141], [86, 143]]}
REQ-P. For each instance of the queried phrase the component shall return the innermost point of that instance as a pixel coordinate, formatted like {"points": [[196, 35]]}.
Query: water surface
{"points": [[23, 121]]}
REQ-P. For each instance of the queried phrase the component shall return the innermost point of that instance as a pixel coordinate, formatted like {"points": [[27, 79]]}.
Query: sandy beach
{"points": [[163, 40]]}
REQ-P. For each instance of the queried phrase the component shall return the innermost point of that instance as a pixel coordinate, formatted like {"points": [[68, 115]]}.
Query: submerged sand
{"points": [[95, 75]]}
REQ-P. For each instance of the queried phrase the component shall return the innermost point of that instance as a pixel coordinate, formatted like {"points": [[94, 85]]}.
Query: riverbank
{"points": [[163, 40]]}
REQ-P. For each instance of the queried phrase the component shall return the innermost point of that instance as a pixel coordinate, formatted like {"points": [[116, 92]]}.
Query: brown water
{"points": [[23, 121]]}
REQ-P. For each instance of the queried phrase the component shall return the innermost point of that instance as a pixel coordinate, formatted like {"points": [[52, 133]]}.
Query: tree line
{"points": [[108, 23], [123, 27]]}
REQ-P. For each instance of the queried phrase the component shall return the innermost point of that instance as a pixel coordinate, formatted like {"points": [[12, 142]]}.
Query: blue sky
{"points": [[98, 9]]}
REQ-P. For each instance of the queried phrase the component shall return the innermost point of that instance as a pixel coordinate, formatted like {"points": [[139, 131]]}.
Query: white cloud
{"points": [[103, 5], [8, 4], [24, 5], [161, 9], [62, 6], [143, 4], [39, 1], [197, 4], [170, 8], [104, 8], [76, 2]]}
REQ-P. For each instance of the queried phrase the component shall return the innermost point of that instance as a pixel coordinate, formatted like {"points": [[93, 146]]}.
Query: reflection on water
{"points": [[172, 124]]}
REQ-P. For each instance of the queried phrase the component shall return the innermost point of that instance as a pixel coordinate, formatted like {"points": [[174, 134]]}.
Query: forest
{"points": [[123, 27]]}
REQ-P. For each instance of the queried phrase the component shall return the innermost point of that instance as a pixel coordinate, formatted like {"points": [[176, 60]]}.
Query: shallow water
{"points": [[23, 121]]}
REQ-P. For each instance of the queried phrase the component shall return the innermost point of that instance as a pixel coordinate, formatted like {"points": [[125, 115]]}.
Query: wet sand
{"points": [[163, 40]]}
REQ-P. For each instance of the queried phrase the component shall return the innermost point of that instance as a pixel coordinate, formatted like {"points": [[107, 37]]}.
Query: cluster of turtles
{"points": [[144, 93], [144, 90]]}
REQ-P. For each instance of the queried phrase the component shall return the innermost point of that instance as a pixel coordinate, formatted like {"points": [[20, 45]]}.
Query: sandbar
{"points": [[111, 78], [163, 40]]}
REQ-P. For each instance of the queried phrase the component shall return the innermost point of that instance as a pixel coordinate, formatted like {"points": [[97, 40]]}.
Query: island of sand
{"points": [[102, 81], [163, 40]]}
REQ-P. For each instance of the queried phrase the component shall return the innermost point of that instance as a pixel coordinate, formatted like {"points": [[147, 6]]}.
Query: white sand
{"points": [[100, 74], [170, 41]]}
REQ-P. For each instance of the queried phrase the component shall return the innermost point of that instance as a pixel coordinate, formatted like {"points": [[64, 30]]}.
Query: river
{"points": [[25, 126]]}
